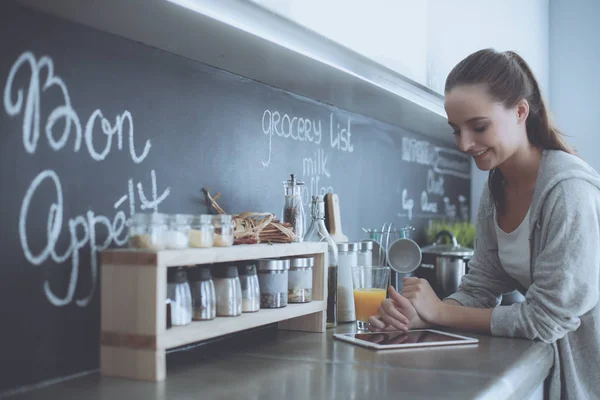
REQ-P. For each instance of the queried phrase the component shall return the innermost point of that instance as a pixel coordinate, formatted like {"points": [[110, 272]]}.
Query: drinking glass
{"points": [[370, 289]]}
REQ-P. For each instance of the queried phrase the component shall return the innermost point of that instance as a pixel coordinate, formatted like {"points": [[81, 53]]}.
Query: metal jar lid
{"points": [[273, 265], [222, 271], [365, 245], [453, 249], [176, 275], [302, 262], [246, 269], [196, 274], [347, 246]]}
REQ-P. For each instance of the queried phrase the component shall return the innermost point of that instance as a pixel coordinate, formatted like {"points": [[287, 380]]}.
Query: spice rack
{"points": [[133, 336]]}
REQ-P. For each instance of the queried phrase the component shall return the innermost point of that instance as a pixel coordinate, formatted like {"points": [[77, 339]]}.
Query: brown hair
{"points": [[508, 79]]}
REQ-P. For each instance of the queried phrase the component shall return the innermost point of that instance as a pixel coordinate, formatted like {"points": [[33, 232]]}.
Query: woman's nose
{"points": [[464, 141]]}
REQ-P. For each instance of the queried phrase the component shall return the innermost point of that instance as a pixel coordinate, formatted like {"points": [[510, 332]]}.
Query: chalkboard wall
{"points": [[94, 128]]}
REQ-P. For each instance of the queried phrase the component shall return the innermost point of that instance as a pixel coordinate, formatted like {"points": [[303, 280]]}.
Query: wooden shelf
{"points": [[172, 258], [202, 330], [133, 285]]}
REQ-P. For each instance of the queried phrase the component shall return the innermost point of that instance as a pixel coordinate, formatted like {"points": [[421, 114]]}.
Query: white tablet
{"points": [[404, 340]]}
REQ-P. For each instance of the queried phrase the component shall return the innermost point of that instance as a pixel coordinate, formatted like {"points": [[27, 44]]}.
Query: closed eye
{"points": [[456, 132], [480, 129]]}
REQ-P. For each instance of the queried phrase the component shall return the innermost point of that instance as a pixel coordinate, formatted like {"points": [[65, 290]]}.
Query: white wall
{"points": [[574, 76], [390, 32]]}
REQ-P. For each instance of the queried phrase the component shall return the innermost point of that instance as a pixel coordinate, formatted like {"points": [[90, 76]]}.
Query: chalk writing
{"points": [[31, 113], [81, 230], [294, 128], [308, 130], [449, 208], [426, 205], [407, 203], [435, 184], [442, 160], [314, 170], [340, 136]]}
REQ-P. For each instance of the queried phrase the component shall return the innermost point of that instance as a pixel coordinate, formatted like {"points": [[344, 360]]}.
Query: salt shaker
{"points": [[250, 287], [347, 258], [203, 293], [365, 259], [179, 293], [228, 290]]}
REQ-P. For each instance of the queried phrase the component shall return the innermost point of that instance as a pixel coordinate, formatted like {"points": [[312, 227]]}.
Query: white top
{"points": [[514, 251]]}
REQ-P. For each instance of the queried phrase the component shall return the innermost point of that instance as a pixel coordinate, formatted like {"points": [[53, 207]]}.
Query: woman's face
{"points": [[483, 128]]}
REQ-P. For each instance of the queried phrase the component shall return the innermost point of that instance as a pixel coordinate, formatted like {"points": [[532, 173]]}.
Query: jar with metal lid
{"points": [[365, 253], [204, 302], [180, 296], [365, 258], [228, 290], [148, 231], [250, 287], [202, 232], [223, 236], [300, 279], [177, 236], [347, 258], [273, 282]]}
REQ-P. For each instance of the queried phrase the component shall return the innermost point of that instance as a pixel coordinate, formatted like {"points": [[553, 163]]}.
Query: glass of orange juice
{"points": [[370, 289]]}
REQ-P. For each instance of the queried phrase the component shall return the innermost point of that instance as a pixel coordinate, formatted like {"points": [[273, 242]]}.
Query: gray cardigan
{"points": [[561, 305]]}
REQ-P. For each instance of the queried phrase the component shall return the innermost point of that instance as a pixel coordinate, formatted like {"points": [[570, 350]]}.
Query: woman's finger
{"points": [[391, 320], [376, 322], [394, 322], [389, 308]]}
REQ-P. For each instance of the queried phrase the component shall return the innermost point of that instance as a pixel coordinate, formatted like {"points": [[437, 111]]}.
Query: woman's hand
{"points": [[423, 298], [396, 313]]}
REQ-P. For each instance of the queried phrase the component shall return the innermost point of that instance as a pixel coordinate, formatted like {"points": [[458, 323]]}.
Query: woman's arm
{"points": [[566, 279], [447, 313]]}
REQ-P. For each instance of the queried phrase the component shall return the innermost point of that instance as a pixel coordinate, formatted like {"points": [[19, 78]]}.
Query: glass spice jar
{"points": [[177, 236], [148, 231], [202, 232], [300, 278], [347, 258], [228, 290], [223, 230], [250, 287], [179, 293], [293, 208], [203, 294], [273, 282]]}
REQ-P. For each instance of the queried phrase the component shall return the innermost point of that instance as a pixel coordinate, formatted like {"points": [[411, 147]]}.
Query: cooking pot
{"points": [[448, 262]]}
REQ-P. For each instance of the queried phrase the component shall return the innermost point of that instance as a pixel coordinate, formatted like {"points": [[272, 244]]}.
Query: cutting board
{"points": [[333, 221]]}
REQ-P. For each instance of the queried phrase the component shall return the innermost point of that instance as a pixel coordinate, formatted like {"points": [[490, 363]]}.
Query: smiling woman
{"points": [[538, 227]]}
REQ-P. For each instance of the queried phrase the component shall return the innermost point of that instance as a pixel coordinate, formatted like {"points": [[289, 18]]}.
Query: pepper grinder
{"points": [[293, 209]]}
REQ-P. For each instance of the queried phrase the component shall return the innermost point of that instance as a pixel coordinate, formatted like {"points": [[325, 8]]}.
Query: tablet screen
{"points": [[421, 336]]}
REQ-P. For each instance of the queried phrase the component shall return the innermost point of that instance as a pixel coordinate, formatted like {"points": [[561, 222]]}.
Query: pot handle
{"points": [[448, 234]]}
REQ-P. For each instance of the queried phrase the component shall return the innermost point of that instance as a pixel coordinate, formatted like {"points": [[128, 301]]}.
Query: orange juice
{"points": [[367, 302]]}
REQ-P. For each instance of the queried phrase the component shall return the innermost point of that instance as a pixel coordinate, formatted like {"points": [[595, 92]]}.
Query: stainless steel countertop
{"points": [[269, 364]]}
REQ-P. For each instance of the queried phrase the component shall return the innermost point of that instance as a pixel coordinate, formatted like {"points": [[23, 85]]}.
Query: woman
{"points": [[538, 227]]}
